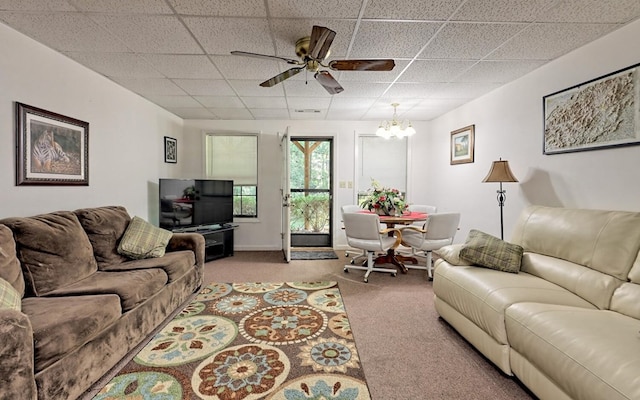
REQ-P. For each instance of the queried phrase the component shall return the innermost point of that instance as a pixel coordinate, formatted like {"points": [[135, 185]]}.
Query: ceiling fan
{"points": [[312, 51]]}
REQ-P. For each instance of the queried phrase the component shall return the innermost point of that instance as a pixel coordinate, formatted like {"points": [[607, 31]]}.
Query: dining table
{"points": [[392, 257]]}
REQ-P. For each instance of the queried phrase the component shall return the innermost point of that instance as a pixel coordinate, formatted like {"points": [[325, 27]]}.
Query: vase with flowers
{"points": [[383, 200]]}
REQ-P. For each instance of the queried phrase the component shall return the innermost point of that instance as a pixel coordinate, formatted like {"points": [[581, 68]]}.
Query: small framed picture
{"points": [[51, 149], [170, 150], [462, 145]]}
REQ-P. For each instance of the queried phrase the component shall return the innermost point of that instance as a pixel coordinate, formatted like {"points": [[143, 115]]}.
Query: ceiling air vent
{"points": [[308, 111]]}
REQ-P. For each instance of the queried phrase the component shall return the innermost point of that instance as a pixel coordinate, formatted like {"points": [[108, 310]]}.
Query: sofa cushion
{"points": [[10, 269], [143, 240], [451, 254], [61, 324], [589, 354], [54, 250], [104, 227], [482, 295], [9, 296], [133, 287], [490, 252], [175, 264]]}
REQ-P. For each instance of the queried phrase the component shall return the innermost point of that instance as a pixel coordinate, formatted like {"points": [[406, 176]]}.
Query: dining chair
{"points": [[438, 231], [357, 255], [363, 232]]}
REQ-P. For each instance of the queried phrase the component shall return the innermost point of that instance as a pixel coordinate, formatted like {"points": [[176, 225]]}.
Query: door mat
{"points": [[250, 341], [313, 255]]}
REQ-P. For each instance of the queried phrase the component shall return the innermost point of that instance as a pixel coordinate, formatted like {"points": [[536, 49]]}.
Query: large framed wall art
{"points": [[601, 113], [51, 149]]}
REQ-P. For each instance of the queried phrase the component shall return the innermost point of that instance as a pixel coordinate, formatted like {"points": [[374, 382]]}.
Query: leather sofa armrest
{"points": [[189, 241], [17, 381]]}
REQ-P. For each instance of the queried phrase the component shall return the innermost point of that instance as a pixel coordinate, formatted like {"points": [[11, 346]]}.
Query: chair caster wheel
{"points": [[346, 270], [394, 274], [366, 280], [353, 262]]}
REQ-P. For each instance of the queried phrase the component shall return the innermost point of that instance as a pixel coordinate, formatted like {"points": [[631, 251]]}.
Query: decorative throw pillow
{"points": [[488, 251], [9, 297], [451, 254], [143, 240]]}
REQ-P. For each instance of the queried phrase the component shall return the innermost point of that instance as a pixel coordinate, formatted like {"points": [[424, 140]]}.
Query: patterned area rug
{"points": [[313, 255], [244, 341]]}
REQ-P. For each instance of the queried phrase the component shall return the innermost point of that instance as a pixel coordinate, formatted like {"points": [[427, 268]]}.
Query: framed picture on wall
{"points": [[170, 150], [51, 149], [601, 113], [462, 145]]}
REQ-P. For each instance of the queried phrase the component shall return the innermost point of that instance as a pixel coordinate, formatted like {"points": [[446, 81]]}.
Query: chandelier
{"points": [[388, 129]]}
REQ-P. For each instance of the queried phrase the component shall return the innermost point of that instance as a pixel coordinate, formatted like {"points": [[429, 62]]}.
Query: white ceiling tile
{"points": [[36, 5], [434, 70], [548, 41], [345, 115], [304, 89], [192, 113], [408, 9], [205, 87], [174, 101], [502, 10], [150, 33], [469, 40], [351, 103], [403, 91], [124, 7], [463, 90], [596, 11], [183, 66], [314, 8], [253, 88], [80, 33], [220, 101], [237, 67], [151, 86], [221, 8], [363, 89], [499, 71], [123, 65], [265, 102], [270, 113], [382, 39], [223, 35], [321, 103], [232, 113]]}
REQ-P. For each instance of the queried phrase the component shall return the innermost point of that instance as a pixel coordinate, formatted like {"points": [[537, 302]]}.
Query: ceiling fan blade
{"points": [[320, 42], [281, 77], [256, 55], [362, 65], [328, 82]]}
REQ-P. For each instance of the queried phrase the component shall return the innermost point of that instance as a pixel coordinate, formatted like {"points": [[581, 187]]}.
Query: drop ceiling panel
{"points": [[469, 40], [183, 66], [176, 53], [80, 33], [219, 101], [221, 8], [205, 87]]}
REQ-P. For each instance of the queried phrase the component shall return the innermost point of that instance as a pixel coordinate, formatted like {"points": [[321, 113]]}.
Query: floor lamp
{"points": [[500, 172]]}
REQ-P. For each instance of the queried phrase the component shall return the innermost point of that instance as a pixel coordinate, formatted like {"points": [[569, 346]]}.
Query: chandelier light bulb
{"points": [[393, 128]]}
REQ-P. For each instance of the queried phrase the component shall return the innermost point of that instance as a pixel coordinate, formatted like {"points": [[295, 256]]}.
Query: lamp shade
{"points": [[500, 172]]}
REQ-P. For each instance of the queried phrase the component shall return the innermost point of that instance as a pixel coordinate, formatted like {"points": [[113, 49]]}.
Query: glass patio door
{"points": [[311, 176]]}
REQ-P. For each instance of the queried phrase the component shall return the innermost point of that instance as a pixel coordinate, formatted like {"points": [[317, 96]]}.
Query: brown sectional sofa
{"points": [[84, 306], [568, 323]]}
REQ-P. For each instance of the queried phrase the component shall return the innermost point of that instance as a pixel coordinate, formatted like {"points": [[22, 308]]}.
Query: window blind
{"points": [[232, 157]]}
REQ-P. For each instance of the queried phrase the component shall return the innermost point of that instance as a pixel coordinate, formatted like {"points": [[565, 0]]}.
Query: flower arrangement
{"points": [[384, 201]]}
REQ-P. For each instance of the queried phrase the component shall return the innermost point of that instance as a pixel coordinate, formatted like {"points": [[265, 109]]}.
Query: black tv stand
{"points": [[218, 240]]}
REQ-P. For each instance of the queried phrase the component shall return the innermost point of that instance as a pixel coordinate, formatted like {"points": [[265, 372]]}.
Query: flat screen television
{"points": [[191, 204]]}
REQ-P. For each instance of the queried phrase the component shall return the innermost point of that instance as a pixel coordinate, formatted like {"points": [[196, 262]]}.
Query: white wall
{"points": [[264, 233], [509, 124], [125, 132]]}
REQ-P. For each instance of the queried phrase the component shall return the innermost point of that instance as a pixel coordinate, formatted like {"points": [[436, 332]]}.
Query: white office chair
{"points": [[438, 231], [363, 232], [418, 208], [357, 255], [421, 208]]}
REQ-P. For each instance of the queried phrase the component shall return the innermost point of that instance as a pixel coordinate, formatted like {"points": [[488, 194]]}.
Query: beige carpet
{"points": [[406, 351]]}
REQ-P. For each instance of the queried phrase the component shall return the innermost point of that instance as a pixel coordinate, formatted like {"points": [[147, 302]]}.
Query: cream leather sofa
{"points": [[568, 324]]}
